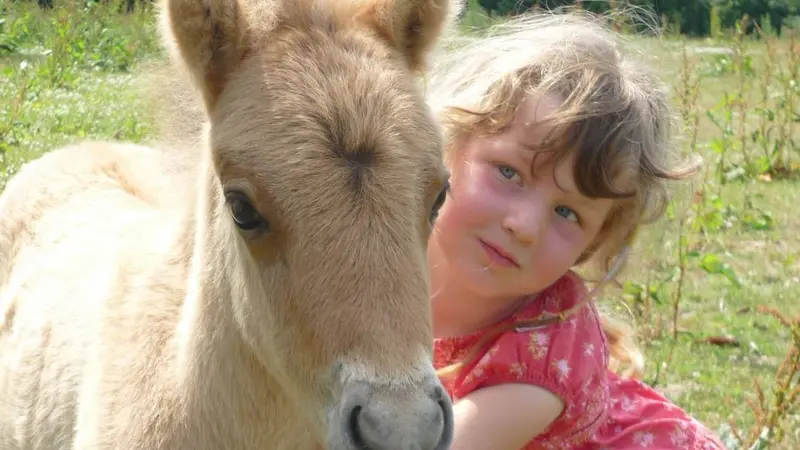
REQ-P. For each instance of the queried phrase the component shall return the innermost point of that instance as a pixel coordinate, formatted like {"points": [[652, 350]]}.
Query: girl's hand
{"points": [[503, 417]]}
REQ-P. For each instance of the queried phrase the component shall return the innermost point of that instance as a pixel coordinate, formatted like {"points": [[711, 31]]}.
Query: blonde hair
{"points": [[615, 117]]}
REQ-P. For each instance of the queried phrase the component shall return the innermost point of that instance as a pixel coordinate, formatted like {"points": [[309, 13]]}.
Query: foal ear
{"points": [[411, 26], [210, 37]]}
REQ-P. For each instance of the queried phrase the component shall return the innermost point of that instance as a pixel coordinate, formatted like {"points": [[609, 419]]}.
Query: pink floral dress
{"points": [[570, 359]]}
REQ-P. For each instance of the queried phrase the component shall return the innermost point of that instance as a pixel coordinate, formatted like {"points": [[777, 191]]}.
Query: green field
{"points": [[728, 246]]}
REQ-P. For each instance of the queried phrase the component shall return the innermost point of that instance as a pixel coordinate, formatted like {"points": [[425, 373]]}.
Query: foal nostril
{"points": [[353, 429]]}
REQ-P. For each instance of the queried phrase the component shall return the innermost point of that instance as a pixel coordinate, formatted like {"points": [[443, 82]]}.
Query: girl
{"points": [[558, 151]]}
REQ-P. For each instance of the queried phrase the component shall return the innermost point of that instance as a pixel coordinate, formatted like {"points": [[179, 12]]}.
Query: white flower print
{"points": [[562, 366], [588, 349], [643, 439], [679, 437], [518, 369], [627, 404], [538, 345]]}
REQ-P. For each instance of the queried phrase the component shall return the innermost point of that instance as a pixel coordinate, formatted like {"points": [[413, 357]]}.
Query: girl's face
{"points": [[509, 229]]}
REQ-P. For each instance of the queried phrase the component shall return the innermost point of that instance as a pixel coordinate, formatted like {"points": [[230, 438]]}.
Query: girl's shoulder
{"points": [[568, 357]]}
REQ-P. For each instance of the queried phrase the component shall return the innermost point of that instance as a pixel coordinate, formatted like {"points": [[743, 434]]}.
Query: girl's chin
{"points": [[495, 282], [485, 281]]}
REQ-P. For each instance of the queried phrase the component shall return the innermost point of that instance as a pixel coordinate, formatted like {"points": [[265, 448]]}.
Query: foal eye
{"points": [[437, 205], [245, 216]]}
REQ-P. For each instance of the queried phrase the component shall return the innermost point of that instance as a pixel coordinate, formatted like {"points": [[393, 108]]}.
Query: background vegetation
{"points": [[696, 18], [713, 289]]}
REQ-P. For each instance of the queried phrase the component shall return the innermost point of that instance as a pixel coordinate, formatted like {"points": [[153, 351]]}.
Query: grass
{"points": [[700, 278], [72, 75]]}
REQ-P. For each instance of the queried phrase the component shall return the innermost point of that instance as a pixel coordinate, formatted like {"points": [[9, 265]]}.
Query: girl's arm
{"points": [[503, 417]]}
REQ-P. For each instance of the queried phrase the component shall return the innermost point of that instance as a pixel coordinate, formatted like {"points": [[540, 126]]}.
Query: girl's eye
{"points": [[567, 213], [507, 172]]}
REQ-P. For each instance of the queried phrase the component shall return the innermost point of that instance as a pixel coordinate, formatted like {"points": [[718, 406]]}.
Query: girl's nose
{"points": [[526, 223]]}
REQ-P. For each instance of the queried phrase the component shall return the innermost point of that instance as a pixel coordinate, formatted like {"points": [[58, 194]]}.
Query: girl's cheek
{"points": [[570, 237], [568, 231], [557, 252], [488, 181], [490, 177], [471, 188]]}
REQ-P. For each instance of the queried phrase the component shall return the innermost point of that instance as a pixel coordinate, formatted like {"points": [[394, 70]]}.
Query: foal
{"points": [[273, 296]]}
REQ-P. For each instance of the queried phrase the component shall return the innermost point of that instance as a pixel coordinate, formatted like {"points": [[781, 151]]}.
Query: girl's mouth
{"points": [[498, 255]]}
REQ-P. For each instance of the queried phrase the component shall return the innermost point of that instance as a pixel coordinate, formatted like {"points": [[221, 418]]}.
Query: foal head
{"points": [[331, 174]]}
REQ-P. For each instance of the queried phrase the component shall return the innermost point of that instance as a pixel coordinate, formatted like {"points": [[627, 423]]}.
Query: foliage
{"points": [[690, 17], [66, 73]]}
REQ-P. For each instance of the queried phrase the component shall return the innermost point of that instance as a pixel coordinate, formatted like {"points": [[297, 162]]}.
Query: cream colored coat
{"points": [[137, 314]]}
